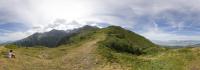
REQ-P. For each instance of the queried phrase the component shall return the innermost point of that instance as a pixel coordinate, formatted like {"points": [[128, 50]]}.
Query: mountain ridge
{"points": [[108, 48], [51, 38]]}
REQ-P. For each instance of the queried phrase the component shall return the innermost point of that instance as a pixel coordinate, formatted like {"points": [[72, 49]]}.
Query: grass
{"points": [[28, 58], [172, 59], [39, 58], [134, 52], [52, 58], [92, 52], [80, 55]]}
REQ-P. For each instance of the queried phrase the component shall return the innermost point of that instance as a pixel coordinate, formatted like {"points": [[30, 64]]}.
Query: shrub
{"points": [[123, 40], [122, 45], [11, 46]]}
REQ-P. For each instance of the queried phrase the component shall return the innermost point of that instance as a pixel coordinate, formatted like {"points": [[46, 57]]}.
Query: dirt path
{"points": [[82, 58]]}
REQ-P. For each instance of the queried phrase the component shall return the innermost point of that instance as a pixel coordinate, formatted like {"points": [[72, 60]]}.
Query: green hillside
{"points": [[122, 40], [111, 48]]}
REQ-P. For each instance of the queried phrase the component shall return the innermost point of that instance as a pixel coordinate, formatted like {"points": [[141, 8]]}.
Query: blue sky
{"points": [[154, 19]]}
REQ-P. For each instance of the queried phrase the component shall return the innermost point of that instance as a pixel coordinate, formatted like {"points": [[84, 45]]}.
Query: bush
{"points": [[10, 46], [122, 45]]}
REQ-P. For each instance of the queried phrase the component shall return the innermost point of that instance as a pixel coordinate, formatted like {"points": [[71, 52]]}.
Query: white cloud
{"points": [[12, 36], [163, 36], [154, 33], [44, 15]]}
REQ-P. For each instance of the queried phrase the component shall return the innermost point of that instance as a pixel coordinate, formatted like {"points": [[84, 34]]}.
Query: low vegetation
{"points": [[122, 40], [134, 52], [111, 48], [167, 59]]}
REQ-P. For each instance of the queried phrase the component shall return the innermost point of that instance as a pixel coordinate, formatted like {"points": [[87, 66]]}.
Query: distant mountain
{"points": [[195, 45], [177, 42], [51, 38], [116, 38], [5, 43]]}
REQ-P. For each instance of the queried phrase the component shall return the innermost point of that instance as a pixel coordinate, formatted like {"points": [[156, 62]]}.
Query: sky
{"points": [[154, 19]]}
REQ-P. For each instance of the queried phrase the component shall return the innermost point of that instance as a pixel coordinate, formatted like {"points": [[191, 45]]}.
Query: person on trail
{"points": [[11, 54]]}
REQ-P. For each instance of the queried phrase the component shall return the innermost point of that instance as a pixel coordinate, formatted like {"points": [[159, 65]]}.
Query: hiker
{"points": [[11, 54]]}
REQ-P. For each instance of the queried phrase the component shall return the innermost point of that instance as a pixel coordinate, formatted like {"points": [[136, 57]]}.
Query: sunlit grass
{"points": [[172, 59], [85, 54]]}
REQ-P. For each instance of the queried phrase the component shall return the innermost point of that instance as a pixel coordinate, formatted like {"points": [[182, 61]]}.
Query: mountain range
{"points": [[51, 38], [116, 38], [55, 38], [180, 43], [92, 48]]}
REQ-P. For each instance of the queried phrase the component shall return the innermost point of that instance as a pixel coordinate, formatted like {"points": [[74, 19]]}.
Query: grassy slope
{"points": [[173, 59], [154, 58], [79, 56], [87, 55]]}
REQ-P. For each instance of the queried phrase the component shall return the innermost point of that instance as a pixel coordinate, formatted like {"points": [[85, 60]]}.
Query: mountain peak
{"points": [[51, 38], [54, 30], [115, 27], [89, 27]]}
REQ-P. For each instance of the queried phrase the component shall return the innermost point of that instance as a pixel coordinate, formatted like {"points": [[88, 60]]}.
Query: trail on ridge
{"points": [[82, 57]]}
